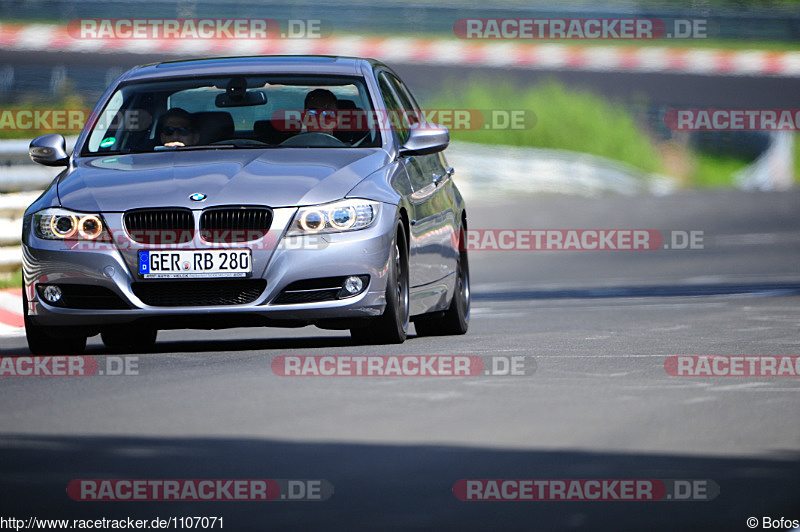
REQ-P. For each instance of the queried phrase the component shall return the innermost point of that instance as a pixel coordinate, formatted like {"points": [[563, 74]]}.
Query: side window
{"points": [[101, 134], [412, 112], [394, 106]]}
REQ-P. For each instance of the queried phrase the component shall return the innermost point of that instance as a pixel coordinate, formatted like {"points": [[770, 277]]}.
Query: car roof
{"points": [[295, 64]]}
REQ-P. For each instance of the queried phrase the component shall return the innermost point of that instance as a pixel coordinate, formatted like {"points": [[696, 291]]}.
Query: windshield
{"points": [[293, 111]]}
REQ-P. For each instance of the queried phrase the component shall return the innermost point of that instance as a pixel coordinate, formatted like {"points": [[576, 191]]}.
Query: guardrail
{"points": [[18, 173], [11, 208], [21, 182], [482, 172]]}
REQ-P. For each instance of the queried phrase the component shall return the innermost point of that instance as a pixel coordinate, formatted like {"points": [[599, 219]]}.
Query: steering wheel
{"points": [[314, 139], [367, 135], [240, 143]]}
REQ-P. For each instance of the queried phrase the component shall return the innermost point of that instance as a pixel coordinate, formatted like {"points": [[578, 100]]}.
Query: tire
{"points": [[45, 341], [126, 338], [392, 326], [455, 319]]}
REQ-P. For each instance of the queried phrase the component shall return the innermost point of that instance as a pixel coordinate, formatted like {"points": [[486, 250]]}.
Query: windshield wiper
{"points": [[113, 153], [187, 148]]}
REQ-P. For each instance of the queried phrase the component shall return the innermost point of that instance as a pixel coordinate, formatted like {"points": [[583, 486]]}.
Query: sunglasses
{"points": [[169, 130], [328, 113]]}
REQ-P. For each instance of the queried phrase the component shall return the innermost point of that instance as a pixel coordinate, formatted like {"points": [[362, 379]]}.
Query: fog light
{"points": [[353, 285], [52, 293]]}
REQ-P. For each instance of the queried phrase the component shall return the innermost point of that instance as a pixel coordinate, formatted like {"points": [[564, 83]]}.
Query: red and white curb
{"points": [[11, 321], [647, 59]]}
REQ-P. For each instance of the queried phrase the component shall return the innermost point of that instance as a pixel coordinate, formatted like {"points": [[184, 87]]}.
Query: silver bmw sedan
{"points": [[251, 191]]}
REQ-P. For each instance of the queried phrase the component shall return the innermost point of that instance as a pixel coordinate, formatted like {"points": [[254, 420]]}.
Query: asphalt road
{"points": [[597, 325]]}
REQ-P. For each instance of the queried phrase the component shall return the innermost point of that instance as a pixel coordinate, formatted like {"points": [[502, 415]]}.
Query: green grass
{"points": [[581, 121], [9, 130], [716, 171], [797, 158], [66, 98], [567, 119], [11, 280]]}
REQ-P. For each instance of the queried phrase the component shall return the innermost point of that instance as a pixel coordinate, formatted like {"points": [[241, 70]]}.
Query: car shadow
{"points": [[250, 344], [304, 343], [385, 486]]}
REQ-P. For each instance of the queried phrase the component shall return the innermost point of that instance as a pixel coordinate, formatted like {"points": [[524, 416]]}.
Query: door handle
{"points": [[437, 178]]}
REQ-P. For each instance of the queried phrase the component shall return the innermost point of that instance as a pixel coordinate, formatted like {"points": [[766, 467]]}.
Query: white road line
{"points": [[7, 331], [11, 302], [757, 239]]}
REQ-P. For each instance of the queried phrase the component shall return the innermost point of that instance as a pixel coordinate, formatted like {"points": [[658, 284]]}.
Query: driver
{"points": [[321, 105], [178, 129]]}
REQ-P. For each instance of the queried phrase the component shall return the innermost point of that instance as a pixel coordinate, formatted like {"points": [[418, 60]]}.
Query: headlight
{"points": [[345, 215], [62, 224]]}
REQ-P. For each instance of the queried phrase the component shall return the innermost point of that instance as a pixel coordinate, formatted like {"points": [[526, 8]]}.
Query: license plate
{"points": [[189, 263]]}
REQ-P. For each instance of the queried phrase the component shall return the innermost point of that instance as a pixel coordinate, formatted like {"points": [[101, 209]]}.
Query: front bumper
{"points": [[285, 261]]}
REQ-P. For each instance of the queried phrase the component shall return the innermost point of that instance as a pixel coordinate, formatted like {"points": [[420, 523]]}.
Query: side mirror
{"points": [[426, 138], [49, 150]]}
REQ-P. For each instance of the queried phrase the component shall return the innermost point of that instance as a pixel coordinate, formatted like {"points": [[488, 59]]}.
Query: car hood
{"points": [[273, 177]]}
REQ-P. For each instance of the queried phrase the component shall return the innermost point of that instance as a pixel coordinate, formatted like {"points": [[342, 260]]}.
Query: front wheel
{"points": [[456, 318], [392, 326]]}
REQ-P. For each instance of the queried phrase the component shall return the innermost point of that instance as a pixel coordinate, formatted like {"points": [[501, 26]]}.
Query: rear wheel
{"points": [[392, 326], [48, 341], [127, 338], [455, 319]]}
